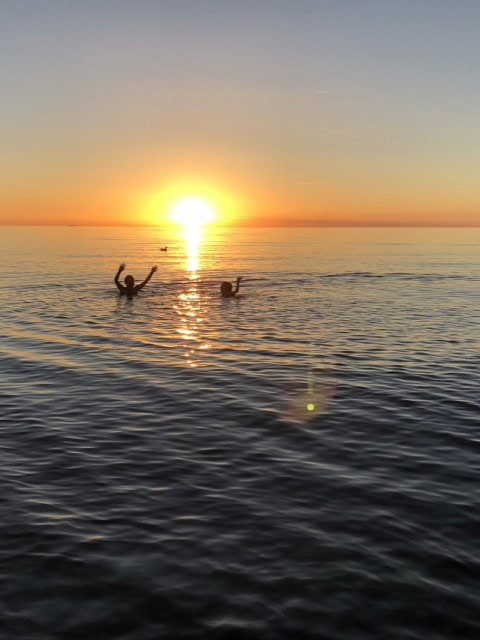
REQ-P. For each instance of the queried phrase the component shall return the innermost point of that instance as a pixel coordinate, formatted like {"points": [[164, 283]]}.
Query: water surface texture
{"points": [[298, 462]]}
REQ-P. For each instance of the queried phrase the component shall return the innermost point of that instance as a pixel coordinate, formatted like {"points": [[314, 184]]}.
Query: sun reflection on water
{"points": [[191, 316], [190, 305], [193, 235]]}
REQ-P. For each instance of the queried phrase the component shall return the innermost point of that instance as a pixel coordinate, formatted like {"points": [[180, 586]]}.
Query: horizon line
{"points": [[277, 225]]}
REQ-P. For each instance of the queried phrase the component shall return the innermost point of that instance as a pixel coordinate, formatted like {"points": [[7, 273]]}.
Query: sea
{"points": [[300, 461]]}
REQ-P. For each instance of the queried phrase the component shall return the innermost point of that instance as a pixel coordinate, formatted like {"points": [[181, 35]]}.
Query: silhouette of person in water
{"points": [[226, 288], [130, 288]]}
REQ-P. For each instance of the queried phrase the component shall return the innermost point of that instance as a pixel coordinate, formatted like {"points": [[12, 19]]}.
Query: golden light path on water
{"points": [[190, 306], [193, 236]]}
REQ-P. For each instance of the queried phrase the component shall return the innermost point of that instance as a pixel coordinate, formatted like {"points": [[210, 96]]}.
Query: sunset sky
{"points": [[274, 111]]}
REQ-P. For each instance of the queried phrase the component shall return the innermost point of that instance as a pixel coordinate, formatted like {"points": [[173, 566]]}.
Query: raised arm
{"points": [[238, 285], [117, 275], [142, 284]]}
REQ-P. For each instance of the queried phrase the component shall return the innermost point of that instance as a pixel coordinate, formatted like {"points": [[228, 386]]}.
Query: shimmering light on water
{"points": [[297, 462], [193, 236], [190, 309], [190, 303]]}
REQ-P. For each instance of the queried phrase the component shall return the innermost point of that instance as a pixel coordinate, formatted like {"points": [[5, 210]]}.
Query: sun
{"points": [[192, 212]]}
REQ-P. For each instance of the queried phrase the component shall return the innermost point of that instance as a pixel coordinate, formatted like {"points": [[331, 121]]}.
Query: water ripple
{"points": [[298, 463]]}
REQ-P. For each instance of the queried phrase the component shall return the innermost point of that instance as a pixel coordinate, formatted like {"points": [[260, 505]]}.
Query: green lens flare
{"points": [[311, 407]]}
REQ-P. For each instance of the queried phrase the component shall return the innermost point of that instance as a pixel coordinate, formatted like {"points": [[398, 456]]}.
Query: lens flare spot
{"points": [[310, 400]]}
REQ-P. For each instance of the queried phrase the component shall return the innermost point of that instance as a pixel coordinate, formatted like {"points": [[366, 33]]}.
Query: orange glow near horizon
{"points": [[242, 202], [185, 200]]}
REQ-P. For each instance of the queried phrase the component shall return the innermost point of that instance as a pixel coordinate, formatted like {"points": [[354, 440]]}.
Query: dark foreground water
{"points": [[300, 462]]}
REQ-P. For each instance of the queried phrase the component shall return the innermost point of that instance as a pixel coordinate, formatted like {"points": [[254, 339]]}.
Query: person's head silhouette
{"points": [[226, 288], [129, 282]]}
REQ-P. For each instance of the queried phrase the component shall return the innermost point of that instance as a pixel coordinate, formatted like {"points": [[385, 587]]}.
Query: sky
{"points": [[298, 112]]}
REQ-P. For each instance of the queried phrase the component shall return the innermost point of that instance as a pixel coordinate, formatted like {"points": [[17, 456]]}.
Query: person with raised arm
{"points": [[226, 288], [130, 288]]}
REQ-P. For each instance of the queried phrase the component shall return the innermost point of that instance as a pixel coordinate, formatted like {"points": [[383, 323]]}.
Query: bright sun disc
{"points": [[192, 212]]}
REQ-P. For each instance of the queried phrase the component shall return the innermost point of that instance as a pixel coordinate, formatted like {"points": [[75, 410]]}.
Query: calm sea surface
{"points": [[302, 461]]}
